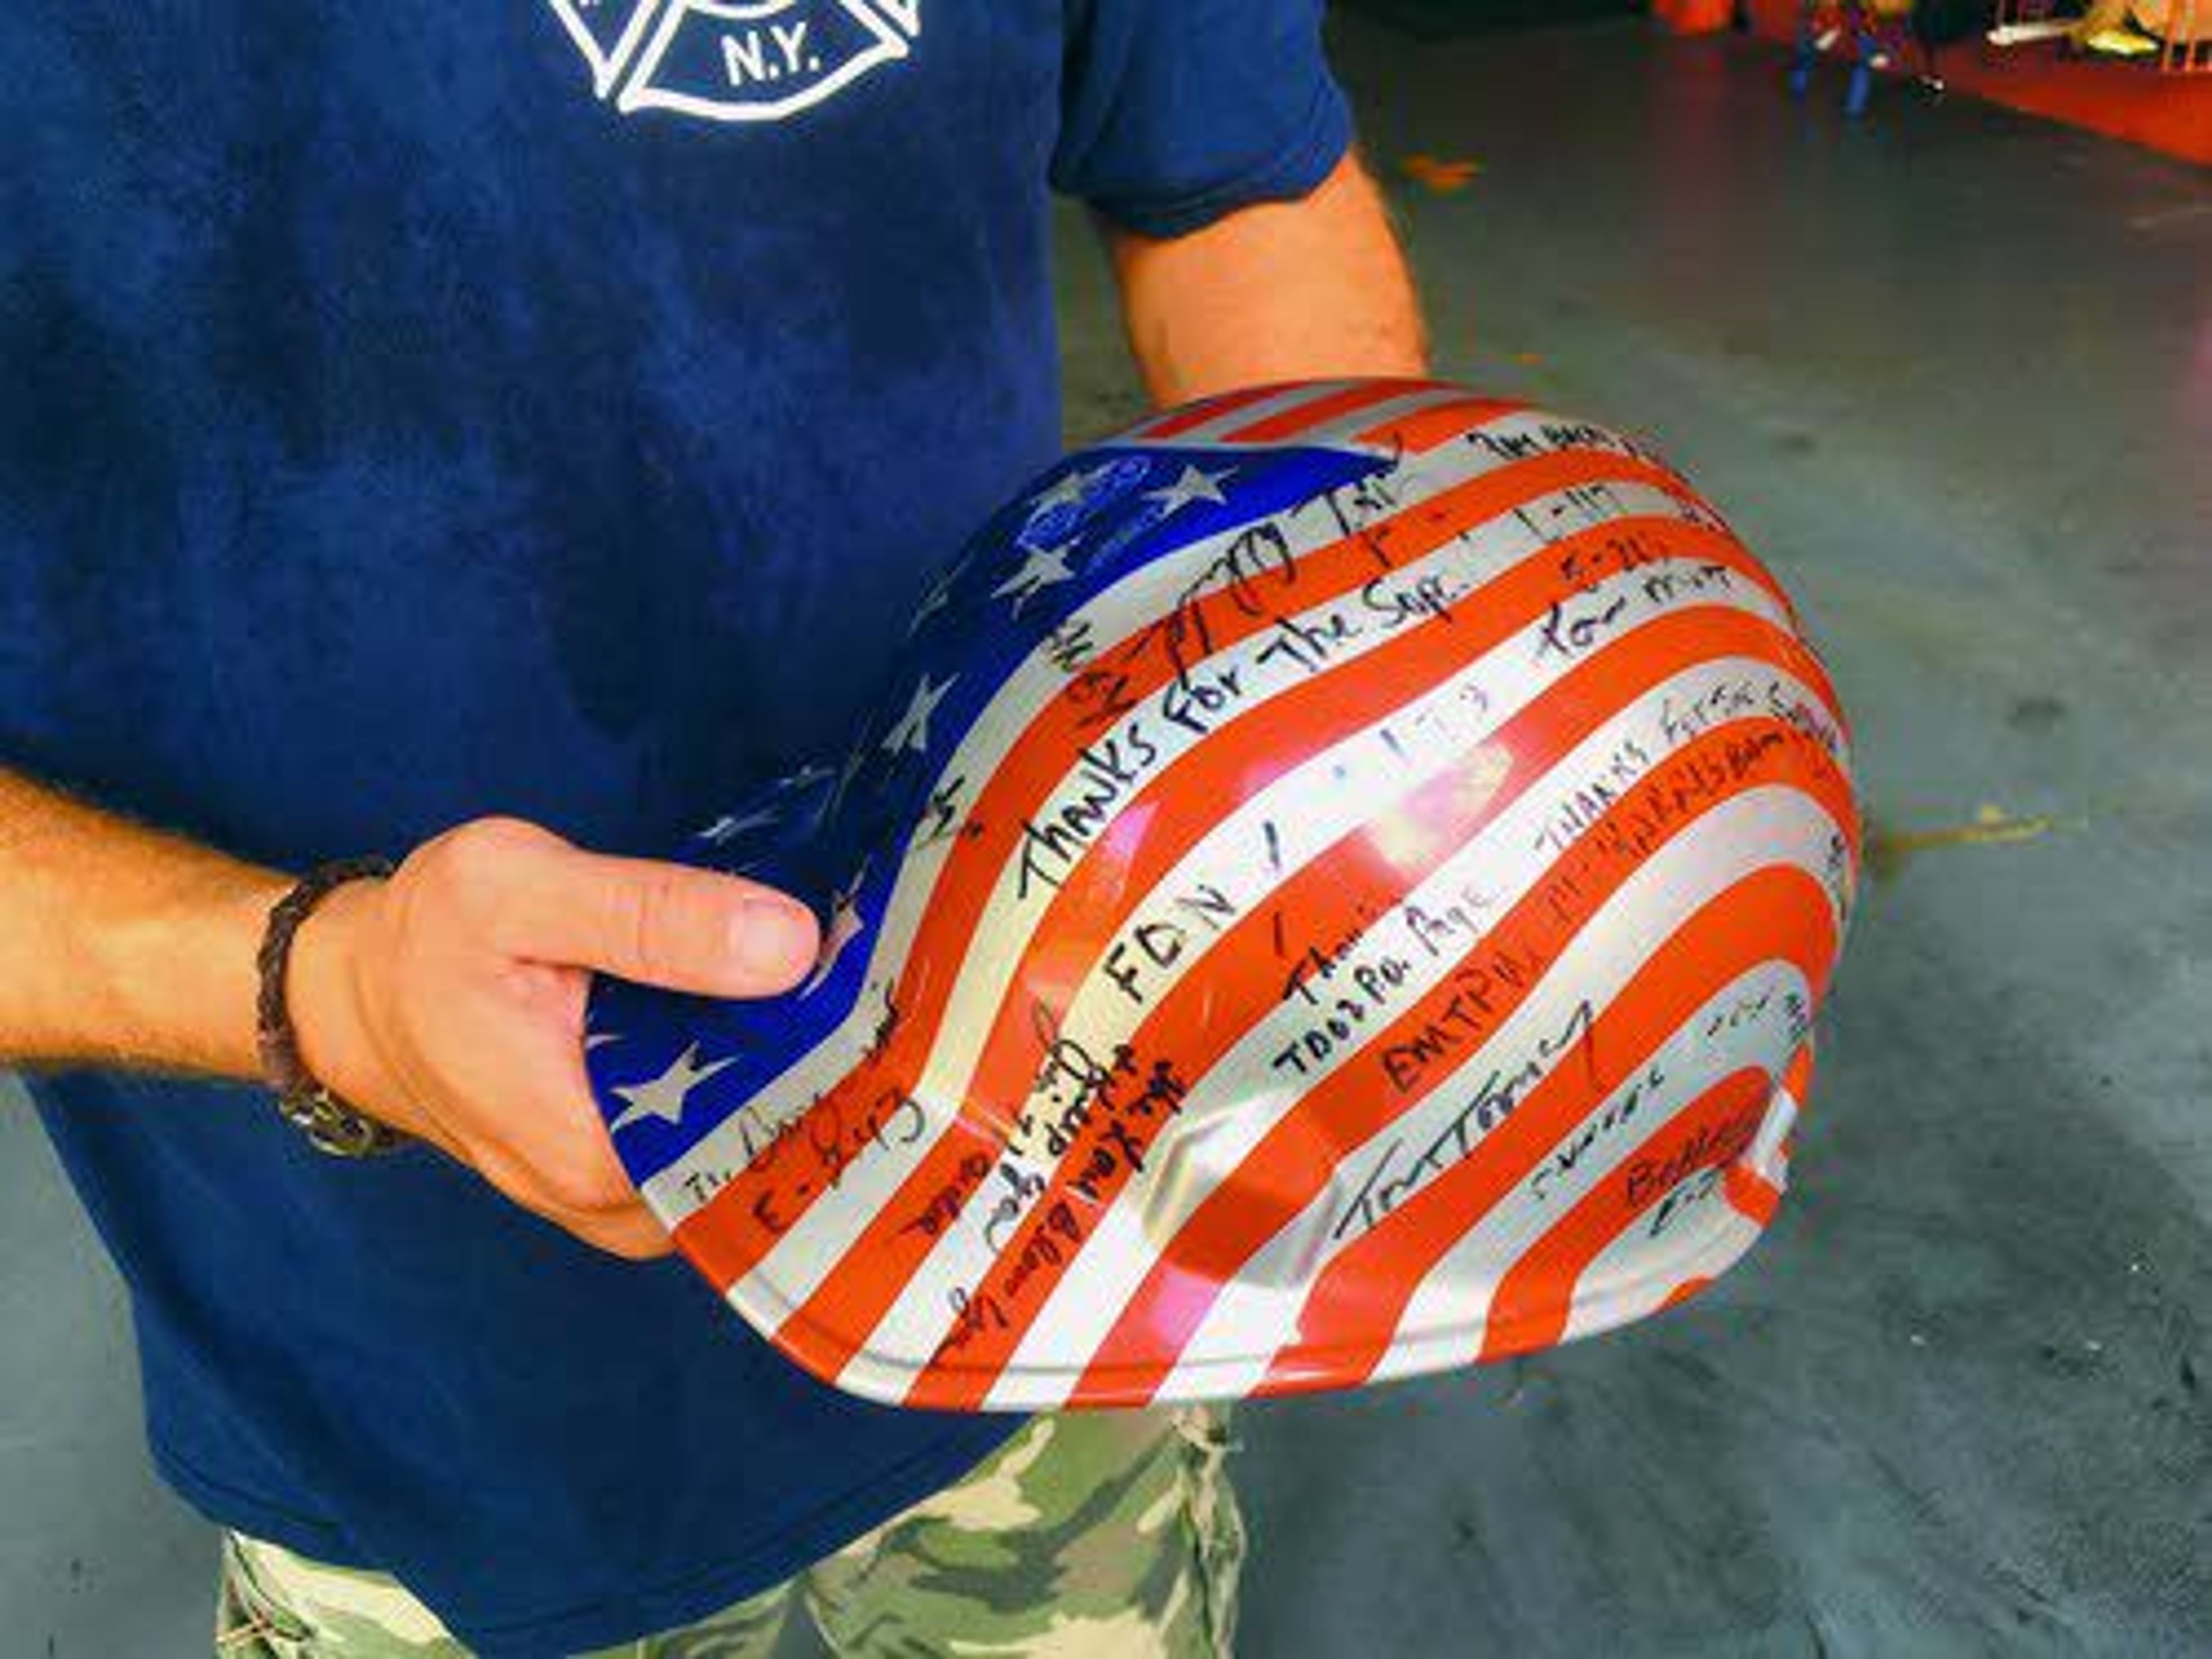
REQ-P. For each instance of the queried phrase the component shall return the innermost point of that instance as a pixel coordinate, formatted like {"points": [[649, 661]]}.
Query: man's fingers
{"points": [[627, 1229], [658, 924], [633, 1234], [583, 1190]]}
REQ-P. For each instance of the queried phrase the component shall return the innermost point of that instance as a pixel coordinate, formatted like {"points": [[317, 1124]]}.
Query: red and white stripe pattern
{"points": [[1406, 959]]}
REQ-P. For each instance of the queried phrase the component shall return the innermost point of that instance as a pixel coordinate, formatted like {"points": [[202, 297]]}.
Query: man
{"points": [[472, 434]]}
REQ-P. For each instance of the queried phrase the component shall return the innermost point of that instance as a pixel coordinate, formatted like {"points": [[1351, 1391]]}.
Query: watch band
{"points": [[330, 1124]]}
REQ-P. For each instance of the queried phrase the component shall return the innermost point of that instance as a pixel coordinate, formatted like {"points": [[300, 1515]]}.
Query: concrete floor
{"points": [[1951, 373]]}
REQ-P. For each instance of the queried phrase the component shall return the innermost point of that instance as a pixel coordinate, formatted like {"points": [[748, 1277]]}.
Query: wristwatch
{"points": [[330, 1124]]}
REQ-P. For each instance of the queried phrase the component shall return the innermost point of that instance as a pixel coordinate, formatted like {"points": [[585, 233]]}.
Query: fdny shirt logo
{"points": [[735, 60]]}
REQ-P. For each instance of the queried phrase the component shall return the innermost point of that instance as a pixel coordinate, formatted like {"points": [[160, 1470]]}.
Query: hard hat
{"points": [[1342, 889]]}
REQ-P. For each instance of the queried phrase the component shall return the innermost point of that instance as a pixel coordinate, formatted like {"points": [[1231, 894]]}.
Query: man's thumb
{"points": [[660, 924]]}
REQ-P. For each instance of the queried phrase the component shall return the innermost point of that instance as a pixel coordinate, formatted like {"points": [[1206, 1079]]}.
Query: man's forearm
{"points": [[1282, 291], [120, 945]]}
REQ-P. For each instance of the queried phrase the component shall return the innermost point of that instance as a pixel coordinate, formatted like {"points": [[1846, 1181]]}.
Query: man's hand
{"points": [[449, 1000]]}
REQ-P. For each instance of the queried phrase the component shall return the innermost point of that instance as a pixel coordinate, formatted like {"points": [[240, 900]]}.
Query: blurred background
{"points": [[1947, 366]]}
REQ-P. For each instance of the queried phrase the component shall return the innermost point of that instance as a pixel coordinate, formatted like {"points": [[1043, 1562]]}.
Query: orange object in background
{"points": [[1694, 16], [1438, 176]]}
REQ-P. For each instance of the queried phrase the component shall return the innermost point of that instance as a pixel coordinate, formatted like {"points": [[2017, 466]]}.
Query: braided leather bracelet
{"points": [[331, 1125]]}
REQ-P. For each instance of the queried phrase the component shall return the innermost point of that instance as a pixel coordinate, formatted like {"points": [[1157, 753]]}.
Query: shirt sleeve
{"points": [[1174, 112]]}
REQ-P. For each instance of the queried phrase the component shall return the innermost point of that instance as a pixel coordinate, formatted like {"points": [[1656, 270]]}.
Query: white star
{"points": [[1192, 486], [1045, 567], [727, 828], [913, 730], [845, 927], [938, 597], [1073, 490], [664, 1095]]}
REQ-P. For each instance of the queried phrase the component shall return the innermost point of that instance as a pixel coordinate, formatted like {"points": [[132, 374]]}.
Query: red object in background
{"points": [[1694, 16], [2125, 100]]}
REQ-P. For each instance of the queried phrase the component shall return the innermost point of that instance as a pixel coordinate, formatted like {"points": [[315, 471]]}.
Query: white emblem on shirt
{"points": [[735, 60]]}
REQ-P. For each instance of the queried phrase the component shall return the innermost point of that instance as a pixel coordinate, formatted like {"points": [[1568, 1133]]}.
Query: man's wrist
{"points": [[305, 1099], [322, 993], [180, 975]]}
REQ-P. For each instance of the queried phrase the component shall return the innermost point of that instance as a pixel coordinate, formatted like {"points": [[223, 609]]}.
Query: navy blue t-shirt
{"points": [[417, 410]]}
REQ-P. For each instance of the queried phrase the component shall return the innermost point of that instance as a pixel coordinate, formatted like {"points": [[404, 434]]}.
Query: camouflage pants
{"points": [[1113, 1535]]}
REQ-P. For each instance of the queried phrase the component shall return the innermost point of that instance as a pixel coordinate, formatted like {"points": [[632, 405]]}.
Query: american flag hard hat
{"points": [[1341, 888]]}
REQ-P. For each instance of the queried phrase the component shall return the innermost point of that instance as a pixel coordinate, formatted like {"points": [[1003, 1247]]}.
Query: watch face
{"points": [[1341, 889]]}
